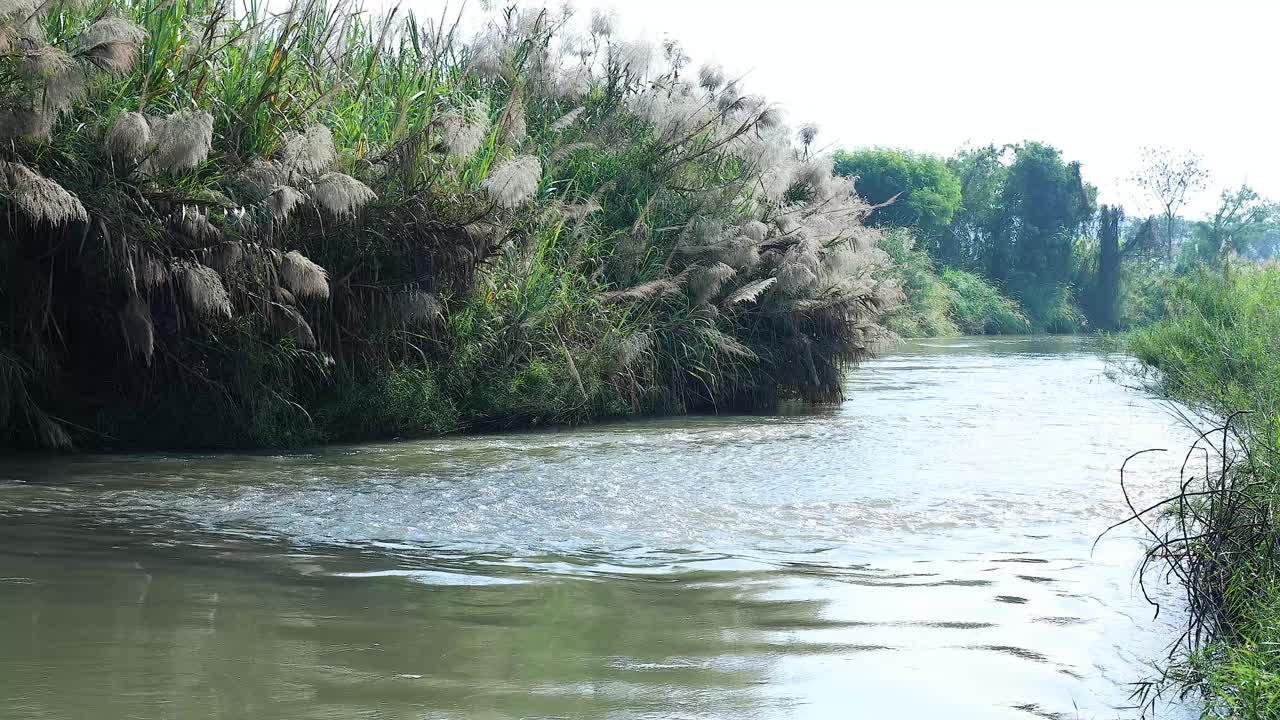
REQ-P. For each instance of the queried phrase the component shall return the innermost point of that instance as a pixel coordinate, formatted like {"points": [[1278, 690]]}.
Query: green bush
{"points": [[978, 308], [927, 308]]}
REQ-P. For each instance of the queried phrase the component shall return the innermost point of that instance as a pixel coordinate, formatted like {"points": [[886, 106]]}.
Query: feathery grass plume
{"points": [[769, 118], [754, 230], [57, 82], [580, 211], [730, 99], [309, 152], [112, 44], [58, 79], [25, 122], [573, 83], [513, 123], [40, 198], [726, 343], [807, 134], [138, 329], [711, 77], [180, 140], [284, 200], [129, 137], [567, 119], [417, 306], [489, 56], [603, 24], [461, 135], [798, 272], [305, 278], [223, 257], [204, 290], [633, 348], [341, 194], [512, 183], [749, 292], [195, 227], [741, 253], [644, 291], [673, 114], [633, 56], [283, 296], [705, 282], [787, 223], [260, 177], [289, 323], [815, 173]]}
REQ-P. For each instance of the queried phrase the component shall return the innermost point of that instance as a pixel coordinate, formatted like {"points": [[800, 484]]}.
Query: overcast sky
{"points": [[1098, 79]]}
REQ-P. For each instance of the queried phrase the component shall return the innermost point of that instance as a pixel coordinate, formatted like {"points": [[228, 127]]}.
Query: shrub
{"points": [[926, 307], [978, 308]]}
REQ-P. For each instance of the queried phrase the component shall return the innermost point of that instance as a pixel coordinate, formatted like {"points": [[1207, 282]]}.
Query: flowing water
{"points": [[924, 550]]}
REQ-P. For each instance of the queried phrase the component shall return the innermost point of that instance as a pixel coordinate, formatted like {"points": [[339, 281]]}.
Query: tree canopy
{"points": [[927, 192]]}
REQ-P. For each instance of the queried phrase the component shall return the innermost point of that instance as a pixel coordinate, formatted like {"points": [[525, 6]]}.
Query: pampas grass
{"points": [[305, 278], [41, 199], [514, 182], [180, 140], [626, 235], [112, 44], [309, 152], [129, 137], [205, 294], [341, 194]]}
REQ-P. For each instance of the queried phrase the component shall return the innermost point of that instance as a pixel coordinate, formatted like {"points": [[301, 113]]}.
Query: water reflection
{"points": [[925, 550]]}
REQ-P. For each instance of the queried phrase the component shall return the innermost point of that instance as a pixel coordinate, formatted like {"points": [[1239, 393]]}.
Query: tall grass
{"points": [[230, 226], [926, 308], [979, 308], [1218, 351]]}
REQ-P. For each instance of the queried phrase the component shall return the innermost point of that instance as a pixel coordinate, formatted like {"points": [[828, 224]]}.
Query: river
{"points": [[923, 550]]}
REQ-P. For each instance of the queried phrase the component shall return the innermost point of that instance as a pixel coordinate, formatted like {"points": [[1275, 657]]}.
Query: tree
{"points": [[1045, 202], [1106, 293], [1241, 222], [971, 239], [927, 193], [1170, 178]]}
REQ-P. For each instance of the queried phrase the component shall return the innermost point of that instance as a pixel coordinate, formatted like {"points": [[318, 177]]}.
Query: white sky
{"points": [[1096, 79]]}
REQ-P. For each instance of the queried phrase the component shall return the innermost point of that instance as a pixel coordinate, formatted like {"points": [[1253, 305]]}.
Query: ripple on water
{"points": [[934, 531]]}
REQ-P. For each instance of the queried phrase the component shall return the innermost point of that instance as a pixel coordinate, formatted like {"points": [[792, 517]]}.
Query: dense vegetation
{"points": [[267, 229], [1218, 351], [1025, 221]]}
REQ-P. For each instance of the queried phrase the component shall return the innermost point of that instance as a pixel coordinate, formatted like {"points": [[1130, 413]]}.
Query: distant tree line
{"points": [[1026, 220]]}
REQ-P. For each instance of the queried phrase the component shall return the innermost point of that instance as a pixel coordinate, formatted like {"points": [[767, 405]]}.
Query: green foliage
{"points": [[1239, 227], [978, 307], [1217, 350], [1045, 202], [968, 242], [927, 193], [322, 224], [1219, 345], [927, 308]]}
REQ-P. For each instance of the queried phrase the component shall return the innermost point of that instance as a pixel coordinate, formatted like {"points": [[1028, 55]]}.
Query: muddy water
{"points": [[924, 550]]}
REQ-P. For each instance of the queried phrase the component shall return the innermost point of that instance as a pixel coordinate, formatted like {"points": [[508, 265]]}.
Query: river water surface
{"points": [[922, 551]]}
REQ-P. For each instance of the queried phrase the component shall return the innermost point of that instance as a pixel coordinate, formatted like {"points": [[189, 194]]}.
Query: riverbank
{"points": [[1218, 352], [276, 230]]}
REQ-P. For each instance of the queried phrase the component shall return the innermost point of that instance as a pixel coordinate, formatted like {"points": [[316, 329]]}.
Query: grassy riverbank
{"points": [[1218, 352], [261, 230]]}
